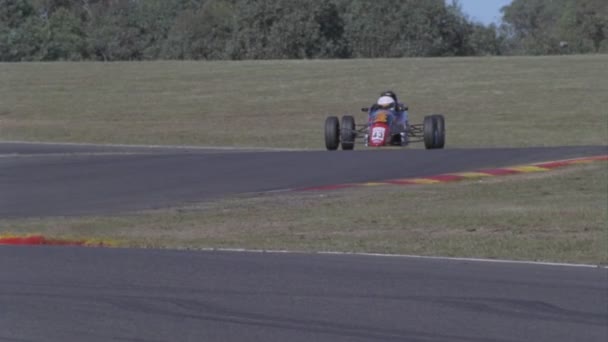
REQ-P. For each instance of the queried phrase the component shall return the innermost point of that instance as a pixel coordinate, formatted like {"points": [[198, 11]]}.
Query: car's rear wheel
{"points": [[332, 133], [348, 133]]}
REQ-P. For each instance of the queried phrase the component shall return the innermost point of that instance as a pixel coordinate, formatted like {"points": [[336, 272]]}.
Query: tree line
{"points": [[112, 30]]}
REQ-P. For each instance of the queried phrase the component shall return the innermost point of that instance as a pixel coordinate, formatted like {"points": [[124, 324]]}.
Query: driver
{"points": [[388, 102]]}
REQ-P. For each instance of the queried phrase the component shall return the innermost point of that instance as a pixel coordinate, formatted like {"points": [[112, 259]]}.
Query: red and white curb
{"points": [[40, 240], [460, 176]]}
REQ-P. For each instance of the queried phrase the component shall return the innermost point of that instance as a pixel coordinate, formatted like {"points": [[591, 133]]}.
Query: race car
{"points": [[380, 130]]}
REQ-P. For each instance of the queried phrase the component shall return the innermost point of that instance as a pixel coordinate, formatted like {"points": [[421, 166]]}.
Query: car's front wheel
{"points": [[348, 133], [440, 122], [434, 131]]}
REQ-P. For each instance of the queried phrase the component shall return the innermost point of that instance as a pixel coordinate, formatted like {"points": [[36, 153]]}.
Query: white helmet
{"points": [[386, 102]]}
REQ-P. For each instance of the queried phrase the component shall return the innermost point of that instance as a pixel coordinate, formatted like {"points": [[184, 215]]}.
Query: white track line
{"points": [[177, 147], [69, 154], [405, 256]]}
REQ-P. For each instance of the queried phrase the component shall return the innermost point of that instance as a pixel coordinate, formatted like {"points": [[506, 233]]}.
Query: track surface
{"points": [[77, 294], [63, 180]]}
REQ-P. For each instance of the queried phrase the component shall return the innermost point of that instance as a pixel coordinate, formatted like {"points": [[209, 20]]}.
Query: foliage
{"points": [[112, 30], [557, 26]]}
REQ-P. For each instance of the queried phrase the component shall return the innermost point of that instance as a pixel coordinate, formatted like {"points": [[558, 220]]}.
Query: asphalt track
{"points": [[41, 180], [78, 294]]}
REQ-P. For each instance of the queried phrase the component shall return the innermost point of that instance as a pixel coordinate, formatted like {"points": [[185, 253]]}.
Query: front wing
{"points": [[414, 132]]}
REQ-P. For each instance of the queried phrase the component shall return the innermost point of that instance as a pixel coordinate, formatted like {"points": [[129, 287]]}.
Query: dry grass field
{"points": [[516, 101], [520, 101]]}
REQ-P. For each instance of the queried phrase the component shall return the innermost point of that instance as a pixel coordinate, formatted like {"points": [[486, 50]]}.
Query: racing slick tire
{"points": [[332, 133], [430, 131], [348, 133], [440, 122]]}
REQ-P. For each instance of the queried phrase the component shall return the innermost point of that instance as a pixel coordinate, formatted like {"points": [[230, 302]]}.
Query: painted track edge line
{"points": [[155, 146], [404, 256], [41, 240], [71, 154]]}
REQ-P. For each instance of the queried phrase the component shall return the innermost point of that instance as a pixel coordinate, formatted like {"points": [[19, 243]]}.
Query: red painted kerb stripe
{"points": [[443, 178], [39, 240]]}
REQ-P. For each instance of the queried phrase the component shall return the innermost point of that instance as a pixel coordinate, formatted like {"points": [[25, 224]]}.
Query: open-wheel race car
{"points": [[381, 131]]}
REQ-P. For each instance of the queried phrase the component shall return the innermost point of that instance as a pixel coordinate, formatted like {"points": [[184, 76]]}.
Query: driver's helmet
{"points": [[390, 93], [386, 102]]}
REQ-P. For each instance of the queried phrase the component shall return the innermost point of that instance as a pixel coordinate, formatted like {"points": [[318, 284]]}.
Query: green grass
{"points": [[515, 101], [553, 216]]}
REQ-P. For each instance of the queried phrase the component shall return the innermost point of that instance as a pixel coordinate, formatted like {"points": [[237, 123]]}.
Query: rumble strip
{"points": [[459, 176]]}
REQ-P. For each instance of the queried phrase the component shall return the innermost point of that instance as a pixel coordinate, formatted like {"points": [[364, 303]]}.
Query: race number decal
{"points": [[378, 135]]}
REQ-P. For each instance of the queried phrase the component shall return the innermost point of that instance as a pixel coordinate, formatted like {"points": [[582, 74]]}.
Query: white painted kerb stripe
{"points": [[177, 147], [404, 256], [70, 154]]}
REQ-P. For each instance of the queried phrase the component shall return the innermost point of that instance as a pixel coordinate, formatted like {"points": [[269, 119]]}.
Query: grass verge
{"points": [[554, 216], [501, 101]]}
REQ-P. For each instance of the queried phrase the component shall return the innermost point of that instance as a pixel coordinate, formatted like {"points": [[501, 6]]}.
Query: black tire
{"points": [[348, 133], [332, 133], [429, 130], [440, 122]]}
